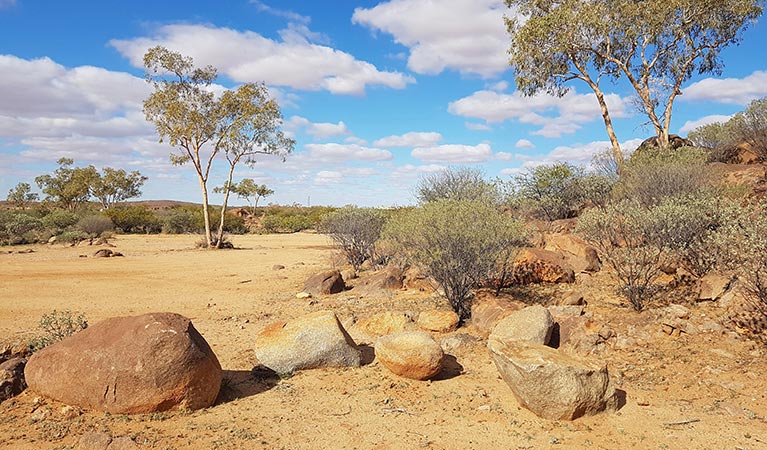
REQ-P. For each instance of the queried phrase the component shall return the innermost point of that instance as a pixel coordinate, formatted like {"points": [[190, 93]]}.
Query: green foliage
{"points": [[751, 126], [248, 190], [59, 220], [96, 224], [459, 243], [559, 191], [114, 186], [291, 219], [628, 237], [18, 227], [652, 175], [56, 326], [134, 219], [356, 231], [182, 220], [68, 187], [714, 135], [456, 183], [21, 196], [72, 236]]}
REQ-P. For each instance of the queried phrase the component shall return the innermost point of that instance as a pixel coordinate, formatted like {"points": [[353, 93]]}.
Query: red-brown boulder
{"points": [[328, 282], [127, 365]]}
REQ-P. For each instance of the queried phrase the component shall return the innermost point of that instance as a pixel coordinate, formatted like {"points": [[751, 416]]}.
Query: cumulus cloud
{"points": [[346, 152], [570, 111], [412, 139], [524, 144], [454, 153], [737, 91], [474, 126], [246, 56], [578, 154], [693, 124], [467, 36], [284, 13], [321, 130]]}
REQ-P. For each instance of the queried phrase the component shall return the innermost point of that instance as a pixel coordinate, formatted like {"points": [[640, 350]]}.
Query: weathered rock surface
{"points": [[102, 441], [711, 287], [533, 265], [126, 365], [381, 324], [411, 354], [574, 298], [415, 280], [581, 256], [458, 343], [439, 320], [487, 312], [12, 378], [551, 384], [389, 278], [309, 342], [532, 324], [328, 282]]}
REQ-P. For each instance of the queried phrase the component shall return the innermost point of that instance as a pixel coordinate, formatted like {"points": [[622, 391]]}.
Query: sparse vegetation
{"points": [[456, 183], [56, 326], [356, 231], [95, 224]]}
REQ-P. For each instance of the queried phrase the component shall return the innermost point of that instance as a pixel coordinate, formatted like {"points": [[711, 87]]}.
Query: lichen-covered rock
{"points": [[309, 342], [126, 365], [551, 384], [411, 354]]}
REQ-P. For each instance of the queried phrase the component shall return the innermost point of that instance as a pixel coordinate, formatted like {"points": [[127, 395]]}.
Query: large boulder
{"points": [[411, 354], [381, 324], [486, 312], [126, 365], [12, 378], [711, 287], [552, 384], [533, 265], [581, 256], [309, 342], [532, 324], [390, 278], [328, 282]]}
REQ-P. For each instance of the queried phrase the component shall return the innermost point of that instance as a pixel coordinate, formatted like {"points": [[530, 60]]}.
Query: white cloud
{"points": [[356, 140], [410, 171], [570, 111], [477, 126], [524, 144], [246, 56], [738, 91], [504, 156], [454, 153], [579, 154], [284, 13], [693, 124], [467, 36], [321, 130], [346, 152], [412, 139], [499, 86]]}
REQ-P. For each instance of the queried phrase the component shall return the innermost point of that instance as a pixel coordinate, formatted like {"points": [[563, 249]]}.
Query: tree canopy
{"points": [[656, 46]]}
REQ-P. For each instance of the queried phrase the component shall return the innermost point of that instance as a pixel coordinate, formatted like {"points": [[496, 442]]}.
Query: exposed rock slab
{"points": [[533, 265], [309, 342], [488, 311], [438, 320], [532, 324], [551, 384], [125, 365]]}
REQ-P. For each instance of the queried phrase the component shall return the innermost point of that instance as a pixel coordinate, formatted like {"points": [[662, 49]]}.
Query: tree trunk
{"points": [[205, 213], [227, 189], [617, 152]]}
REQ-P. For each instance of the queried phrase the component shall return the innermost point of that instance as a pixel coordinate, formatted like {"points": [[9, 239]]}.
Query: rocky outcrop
{"points": [[310, 342], [552, 384], [381, 324], [12, 378], [125, 365], [411, 354], [326, 283], [534, 265], [488, 311], [578, 254], [389, 278], [438, 320]]}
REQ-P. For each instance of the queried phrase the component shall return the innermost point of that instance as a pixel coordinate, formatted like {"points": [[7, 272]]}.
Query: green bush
{"points": [[559, 191], [134, 219], [18, 228], [59, 220], [651, 175], [72, 236], [291, 219], [458, 243], [182, 220], [57, 326], [456, 183], [356, 231], [95, 224], [629, 238]]}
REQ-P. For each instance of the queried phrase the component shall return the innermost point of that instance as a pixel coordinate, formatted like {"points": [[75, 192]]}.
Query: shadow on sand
{"points": [[238, 384]]}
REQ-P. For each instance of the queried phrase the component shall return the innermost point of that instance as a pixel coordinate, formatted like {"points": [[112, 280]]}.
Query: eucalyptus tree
{"points": [[656, 46], [21, 195], [201, 125], [68, 186], [248, 190], [116, 185]]}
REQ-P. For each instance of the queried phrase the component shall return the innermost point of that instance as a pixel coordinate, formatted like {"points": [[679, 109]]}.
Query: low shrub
{"points": [[134, 219], [18, 227], [95, 225], [56, 326], [356, 231], [72, 236], [456, 183], [59, 220]]}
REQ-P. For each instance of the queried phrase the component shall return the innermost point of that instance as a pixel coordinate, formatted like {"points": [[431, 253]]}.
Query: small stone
{"points": [[92, 440], [303, 295], [573, 299], [411, 354], [278, 267]]}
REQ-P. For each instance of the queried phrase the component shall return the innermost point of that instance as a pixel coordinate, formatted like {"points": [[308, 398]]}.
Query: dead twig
{"points": [[342, 413], [683, 422], [398, 410]]}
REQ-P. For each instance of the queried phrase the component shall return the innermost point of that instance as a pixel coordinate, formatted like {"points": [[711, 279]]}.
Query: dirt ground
{"points": [[706, 390]]}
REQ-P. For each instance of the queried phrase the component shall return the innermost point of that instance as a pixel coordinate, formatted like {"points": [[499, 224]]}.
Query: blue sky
{"points": [[376, 93]]}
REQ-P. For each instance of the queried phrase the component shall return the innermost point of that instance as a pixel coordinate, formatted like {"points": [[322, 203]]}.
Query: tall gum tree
{"points": [[656, 45], [200, 126]]}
